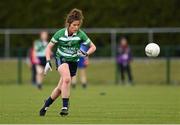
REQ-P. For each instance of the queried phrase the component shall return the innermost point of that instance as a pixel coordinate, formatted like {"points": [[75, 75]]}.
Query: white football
{"points": [[152, 50]]}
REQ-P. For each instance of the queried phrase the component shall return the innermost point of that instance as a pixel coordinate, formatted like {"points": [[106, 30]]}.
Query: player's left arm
{"points": [[89, 43], [92, 48]]}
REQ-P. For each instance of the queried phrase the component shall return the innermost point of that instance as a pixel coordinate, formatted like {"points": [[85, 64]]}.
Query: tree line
{"points": [[97, 13]]}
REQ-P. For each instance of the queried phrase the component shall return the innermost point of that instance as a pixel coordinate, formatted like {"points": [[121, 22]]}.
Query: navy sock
{"points": [[48, 102], [65, 102]]}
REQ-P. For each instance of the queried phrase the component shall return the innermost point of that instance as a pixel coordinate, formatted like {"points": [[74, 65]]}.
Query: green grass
{"points": [[150, 101], [97, 104]]}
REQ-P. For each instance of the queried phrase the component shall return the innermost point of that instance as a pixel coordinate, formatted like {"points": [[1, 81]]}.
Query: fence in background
{"points": [[112, 31], [168, 66], [161, 70]]}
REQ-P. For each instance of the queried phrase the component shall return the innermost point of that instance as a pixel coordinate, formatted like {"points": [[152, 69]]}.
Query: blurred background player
{"points": [[124, 58], [82, 65], [39, 48]]}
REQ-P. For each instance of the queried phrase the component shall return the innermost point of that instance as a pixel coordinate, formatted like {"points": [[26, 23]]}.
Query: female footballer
{"points": [[68, 52]]}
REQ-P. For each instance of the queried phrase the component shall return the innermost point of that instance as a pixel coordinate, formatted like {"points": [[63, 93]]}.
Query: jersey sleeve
{"points": [[85, 39], [55, 38]]}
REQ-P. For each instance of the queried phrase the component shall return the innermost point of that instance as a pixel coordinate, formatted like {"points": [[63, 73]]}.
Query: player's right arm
{"points": [[49, 51], [49, 47], [48, 57]]}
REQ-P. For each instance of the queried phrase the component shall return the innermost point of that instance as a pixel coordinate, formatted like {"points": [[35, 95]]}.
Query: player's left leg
{"points": [[39, 75]]}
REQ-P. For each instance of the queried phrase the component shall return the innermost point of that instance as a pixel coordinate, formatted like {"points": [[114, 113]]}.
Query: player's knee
{"points": [[67, 80], [58, 88], [39, 69]]}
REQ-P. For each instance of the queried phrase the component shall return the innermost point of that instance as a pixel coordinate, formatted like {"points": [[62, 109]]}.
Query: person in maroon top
{"points": [[32, 65], [124, 58]]}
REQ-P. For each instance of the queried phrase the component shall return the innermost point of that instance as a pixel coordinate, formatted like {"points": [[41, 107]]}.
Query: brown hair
{"points": [[74, 15]]}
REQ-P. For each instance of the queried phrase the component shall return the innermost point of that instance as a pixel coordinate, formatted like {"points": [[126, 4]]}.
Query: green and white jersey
{"points": [[67, 46], [40, 47]]}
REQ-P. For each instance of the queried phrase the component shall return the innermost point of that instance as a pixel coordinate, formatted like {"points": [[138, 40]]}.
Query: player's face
{"points": [[44, 35], [74, 26], [123, 42]]}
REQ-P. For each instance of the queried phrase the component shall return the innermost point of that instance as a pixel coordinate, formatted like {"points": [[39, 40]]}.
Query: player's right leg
{"points": [[122, 73], [54, 95], [33, 75]]}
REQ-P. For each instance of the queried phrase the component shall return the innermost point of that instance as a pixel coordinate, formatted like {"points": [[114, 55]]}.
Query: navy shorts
{"points": [[42, 61], [72, 65]]}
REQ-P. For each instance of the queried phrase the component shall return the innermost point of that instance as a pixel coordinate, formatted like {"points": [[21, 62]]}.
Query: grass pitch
{"points": [[97, 104], [149, 101]]}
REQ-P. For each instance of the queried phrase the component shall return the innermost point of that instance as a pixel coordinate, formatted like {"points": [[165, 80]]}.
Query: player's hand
{"points": [[86, 61], [81, 53], [47, 67]]}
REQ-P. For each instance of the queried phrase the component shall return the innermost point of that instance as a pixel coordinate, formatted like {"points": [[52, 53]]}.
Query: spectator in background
{"points": [[39, 47], [124, 59], [31, 61]]}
